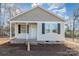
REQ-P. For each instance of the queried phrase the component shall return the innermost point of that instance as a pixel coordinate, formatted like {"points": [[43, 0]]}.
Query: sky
{"points": [[64, 10]]}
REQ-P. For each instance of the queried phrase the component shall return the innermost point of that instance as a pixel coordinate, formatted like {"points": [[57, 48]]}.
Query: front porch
{"points": [[24, 33], [23, 30], [37, 31]]}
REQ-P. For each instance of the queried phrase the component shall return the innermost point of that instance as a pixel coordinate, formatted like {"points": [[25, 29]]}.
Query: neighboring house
{"points": [[37, 25]]}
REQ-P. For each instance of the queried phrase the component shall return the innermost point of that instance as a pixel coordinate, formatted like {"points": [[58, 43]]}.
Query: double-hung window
{"points": [[50, 27], [21, 29], [55, 27]]}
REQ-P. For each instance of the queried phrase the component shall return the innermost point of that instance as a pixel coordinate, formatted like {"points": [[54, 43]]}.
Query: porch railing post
{"points": [[28, 46], [15, 30], [26, 33], [50, 28]]}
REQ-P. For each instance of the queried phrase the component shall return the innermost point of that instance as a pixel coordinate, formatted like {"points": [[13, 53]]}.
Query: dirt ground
{"points": [[66, 49]]}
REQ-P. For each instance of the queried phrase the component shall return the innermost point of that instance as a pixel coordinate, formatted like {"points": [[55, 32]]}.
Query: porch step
{"points": [[34, 43], [17, 41], [24, 41]]}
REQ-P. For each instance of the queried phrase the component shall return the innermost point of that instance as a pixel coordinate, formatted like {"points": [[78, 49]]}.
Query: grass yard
{"points": [[7, 49]]}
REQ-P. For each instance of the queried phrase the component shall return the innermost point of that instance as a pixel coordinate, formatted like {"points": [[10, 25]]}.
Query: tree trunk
{"points": [[73, 29]]}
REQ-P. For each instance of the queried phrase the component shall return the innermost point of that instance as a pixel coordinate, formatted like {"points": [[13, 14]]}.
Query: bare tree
{"points": [[76, 18], [0, 14], [0, 7]]}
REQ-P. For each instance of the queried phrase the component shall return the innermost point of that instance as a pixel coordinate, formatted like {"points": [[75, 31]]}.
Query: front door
{"points": [[33, 31]]}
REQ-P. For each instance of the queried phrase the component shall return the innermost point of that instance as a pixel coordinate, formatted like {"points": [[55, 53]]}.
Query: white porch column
{"points": [[10, 30], [28, 44], [26, 31], [15, 30], [50, 27]]}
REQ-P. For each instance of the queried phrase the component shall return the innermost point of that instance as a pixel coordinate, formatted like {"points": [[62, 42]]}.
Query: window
{"points": [[55, 27], [52, 27], [47, 28], [21, 29]]}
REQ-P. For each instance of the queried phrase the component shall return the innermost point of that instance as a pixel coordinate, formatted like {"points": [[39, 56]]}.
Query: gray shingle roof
{"points": [[37, 14]]}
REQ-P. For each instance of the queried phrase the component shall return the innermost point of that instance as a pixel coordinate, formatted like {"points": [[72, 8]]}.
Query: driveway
{"points": [[7, 49]]}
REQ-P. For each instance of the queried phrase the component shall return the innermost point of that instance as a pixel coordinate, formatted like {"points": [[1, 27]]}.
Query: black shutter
{"points": [[27, 28], [58, 28], [43, 28], [19, 28]]}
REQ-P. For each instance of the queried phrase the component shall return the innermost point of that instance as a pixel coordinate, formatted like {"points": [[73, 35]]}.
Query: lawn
{"points": [[7, 49]]}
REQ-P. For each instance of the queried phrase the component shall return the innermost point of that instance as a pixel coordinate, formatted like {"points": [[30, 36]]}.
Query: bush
{"points": [[70, 34]]}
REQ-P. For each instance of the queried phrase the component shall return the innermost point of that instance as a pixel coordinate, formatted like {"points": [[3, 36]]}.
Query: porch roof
{"points": [[37, 14]]}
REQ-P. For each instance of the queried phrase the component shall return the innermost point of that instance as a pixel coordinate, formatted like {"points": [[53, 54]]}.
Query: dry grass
{"points": [[4, 40], [72, 44]]}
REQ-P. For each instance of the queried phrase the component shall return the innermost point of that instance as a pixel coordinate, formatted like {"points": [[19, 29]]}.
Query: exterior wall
{"points": [[32, 31], [20, 35], [21, 38], [25, 35], [42, 37], [50, 36]]}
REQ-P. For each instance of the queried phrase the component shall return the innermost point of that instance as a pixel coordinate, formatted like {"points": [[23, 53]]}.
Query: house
{"points": [[37, 25]]}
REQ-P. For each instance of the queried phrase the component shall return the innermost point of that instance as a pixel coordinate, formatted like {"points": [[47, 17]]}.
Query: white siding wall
{"points": [[49, 36], [40, 37], [20, 35]]}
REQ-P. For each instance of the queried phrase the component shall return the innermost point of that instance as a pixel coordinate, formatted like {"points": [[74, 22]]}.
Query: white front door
{"points": [[32, 31]]}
